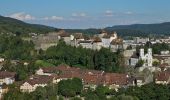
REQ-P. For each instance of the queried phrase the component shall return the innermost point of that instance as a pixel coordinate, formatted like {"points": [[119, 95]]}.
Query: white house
{"points": [[7, 77], [37, 81]]}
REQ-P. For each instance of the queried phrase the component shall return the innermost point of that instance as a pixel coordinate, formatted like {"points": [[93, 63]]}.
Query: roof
{"points": [[39, 79], [97, 39], [89, 76], [62, 33], [114, 33], [103, 32], [134, 55], [6, 74], [164, 65], [163, 76], [78, 36], [117, 42], [106, 36], [115, 78], [92, 79], [85, 41]]}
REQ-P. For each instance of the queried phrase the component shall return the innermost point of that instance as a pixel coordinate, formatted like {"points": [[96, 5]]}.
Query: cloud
{"points": [[22, 16], [108, 13], [54, 18], [79, 15]]}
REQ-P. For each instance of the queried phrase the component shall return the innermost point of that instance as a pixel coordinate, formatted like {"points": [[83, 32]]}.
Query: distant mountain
{"points": [[132, 30], [160, 28], [13, 25]]}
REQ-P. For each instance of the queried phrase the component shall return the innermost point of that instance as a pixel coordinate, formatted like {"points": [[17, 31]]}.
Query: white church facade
{"points": [[147, 58]]}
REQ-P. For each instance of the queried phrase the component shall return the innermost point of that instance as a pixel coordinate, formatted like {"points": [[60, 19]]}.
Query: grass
{"points": [[43, 63]]}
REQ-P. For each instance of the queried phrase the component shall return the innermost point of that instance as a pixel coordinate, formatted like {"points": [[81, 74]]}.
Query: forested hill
{"points": [[13, 25], [132, 30], [159, 28]]}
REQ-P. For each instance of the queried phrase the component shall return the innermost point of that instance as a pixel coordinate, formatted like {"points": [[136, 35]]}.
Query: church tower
{"points": [[149, 59], [141, 54]]}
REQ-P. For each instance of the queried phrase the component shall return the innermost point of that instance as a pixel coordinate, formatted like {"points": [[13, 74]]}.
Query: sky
{"points": [[82, 14]]}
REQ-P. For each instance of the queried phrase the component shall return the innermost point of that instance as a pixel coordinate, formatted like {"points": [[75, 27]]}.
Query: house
{"points": [[65, 36], [115, 80], [31, 84], [127, 55], [134, 59], [45, 41], [116, 44], [7, 77], [162, 78], [90, 78], [3, 90], [85, 44], [107, 38], [97, 43], [139, 81], [163, 58], [139, 40]]}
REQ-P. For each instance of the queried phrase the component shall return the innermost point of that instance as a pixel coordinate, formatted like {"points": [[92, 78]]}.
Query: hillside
{"points": [[160, 28], [13, 25], [131, 30]]}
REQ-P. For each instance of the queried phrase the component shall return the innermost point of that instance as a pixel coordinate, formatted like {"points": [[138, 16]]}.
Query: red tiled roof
{"points": [[115, 78], [39, 79], [6, 74], [164, 65], [91, 76], [117, 42], [163, 76], [97, 39]]}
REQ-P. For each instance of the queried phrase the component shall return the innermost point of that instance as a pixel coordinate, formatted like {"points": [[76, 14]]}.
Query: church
{"points": [[146, 58]]}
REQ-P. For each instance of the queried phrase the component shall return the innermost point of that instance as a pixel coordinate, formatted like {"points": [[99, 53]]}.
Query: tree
{"points": [[156, 63], [139, 63], [70, 87], [40, 93]]}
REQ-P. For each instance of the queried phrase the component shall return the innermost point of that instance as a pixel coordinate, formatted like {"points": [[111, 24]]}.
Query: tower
{"points": [[141, 54], [149, 59]]}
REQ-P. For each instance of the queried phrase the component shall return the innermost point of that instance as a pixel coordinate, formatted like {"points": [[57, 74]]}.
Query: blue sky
{"points": [[86, 13]]}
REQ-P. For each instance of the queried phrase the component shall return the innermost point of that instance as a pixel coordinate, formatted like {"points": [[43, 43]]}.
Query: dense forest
{"points": [[103, 59], [14, 47]]}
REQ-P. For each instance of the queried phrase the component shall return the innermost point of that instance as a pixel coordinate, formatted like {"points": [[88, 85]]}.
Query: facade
{"points": [[86, 44], [31, 84], [147, 58], [139, 40]]}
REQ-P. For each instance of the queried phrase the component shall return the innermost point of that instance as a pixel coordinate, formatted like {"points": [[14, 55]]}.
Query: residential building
{"points": [[162, 78], [7, 77], [31, 84]]}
